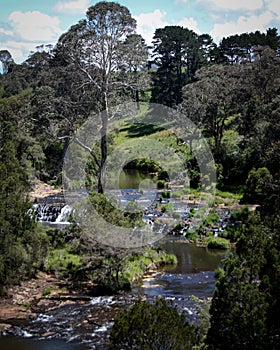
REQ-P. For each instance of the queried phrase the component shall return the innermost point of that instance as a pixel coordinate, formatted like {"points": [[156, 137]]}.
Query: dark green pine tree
{"points": [[178, 53], [20, 244]]}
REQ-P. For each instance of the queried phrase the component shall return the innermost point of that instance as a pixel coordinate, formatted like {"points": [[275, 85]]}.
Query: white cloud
{"points": [[76, 7], [26, 30], [35, 26], [19, 50], [274, 6], [6, 32], [242, 25], [147, 23], [190, 23], [250, 5]]}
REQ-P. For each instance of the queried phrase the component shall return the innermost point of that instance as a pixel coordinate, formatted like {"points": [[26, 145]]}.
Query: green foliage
{"points": [[240, 214], [62, 262], [130, 217], [144, 164], [53, 163], [167, 208], [178, 54], [211, 218], [146, 326], [22, 245], [218, 243], [133, 212], [242, 310], [134, 266], [46, 292], [161, 184], [237, 108], [228, 195], [238, 219], [239, 47], [256, 185]]}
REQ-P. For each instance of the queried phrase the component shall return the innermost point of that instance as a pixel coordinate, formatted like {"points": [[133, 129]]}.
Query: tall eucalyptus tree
{"points": [[96, 47]]}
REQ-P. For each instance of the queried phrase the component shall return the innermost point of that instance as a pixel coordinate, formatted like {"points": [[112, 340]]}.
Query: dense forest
{"points": [[231, 91]]}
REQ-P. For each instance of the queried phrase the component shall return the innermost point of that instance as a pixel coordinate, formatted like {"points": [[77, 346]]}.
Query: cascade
{"points": [[45, 212], [52, 211], [64, 214]]}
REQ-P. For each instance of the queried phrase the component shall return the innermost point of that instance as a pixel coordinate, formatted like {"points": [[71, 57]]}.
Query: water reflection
{"points": [[194, 275], [193, 259], [133, 178]]}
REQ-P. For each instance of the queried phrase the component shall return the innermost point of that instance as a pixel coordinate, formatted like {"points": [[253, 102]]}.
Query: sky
{"points": [[25, 24]]}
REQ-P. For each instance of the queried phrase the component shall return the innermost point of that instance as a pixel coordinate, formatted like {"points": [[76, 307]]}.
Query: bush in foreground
{"points": [[148, 326]]}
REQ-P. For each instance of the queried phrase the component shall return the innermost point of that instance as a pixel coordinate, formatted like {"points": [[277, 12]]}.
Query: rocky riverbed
{"points": [[66, 317], [40, 294]]}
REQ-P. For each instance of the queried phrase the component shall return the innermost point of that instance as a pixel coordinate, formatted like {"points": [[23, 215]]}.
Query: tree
{"points": [[239, 306], [22, 247], [240, 101], [259, 118], [256, 185], [155, 327], [16, 109], [96, 48], [178, 53], [134, 65], [240, 47], [246, 300], [211, 101], [209, 48], [6, 60]]}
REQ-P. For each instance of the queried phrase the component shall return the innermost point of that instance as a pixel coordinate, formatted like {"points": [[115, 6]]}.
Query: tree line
{"points": [[229, 90]]}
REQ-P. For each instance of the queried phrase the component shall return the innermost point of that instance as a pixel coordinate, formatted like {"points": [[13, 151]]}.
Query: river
{"points": [[193, 275], [81, 326]]}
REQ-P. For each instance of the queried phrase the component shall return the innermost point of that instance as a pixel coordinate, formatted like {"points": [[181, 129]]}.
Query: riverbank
{"points": [[87, 320], [42, 190], [45, 292], [40, 294]]}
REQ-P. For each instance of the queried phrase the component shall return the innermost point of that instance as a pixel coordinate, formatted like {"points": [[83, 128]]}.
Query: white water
{"points": [[64, 214]]}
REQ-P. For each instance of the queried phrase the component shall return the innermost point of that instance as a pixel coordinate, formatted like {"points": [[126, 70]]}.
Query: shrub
{"points": [[161, 184], [211, 218], [256, 184], [218, 243], [46, 292], [151, 327], [63, 263]]}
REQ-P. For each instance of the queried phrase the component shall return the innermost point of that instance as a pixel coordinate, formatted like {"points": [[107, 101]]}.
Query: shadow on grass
{"points": [[141, 129]]}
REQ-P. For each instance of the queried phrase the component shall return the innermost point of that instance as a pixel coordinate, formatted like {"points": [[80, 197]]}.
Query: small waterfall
{"points": [[45, 212], [54, 214], [64, 214]]}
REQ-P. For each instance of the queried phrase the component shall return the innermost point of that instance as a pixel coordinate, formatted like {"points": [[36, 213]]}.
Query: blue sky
{"points": [[25, 24]]}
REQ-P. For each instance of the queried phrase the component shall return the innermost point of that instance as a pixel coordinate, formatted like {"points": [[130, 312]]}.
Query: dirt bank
{"points": [[40, 294], [42, 190]]}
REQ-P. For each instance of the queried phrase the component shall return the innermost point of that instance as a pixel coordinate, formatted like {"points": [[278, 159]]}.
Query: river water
{"points": [[81, 326], [193, 275]]}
